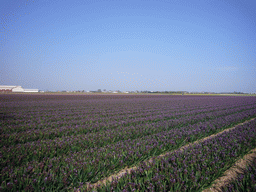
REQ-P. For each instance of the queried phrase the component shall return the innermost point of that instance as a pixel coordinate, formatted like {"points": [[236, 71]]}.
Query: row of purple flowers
{"points": [[193, 169], [36, 150], [52, 118], [50, 133], [73, 169]]}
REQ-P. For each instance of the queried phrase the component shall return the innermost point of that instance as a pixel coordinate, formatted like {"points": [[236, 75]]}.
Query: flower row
{"points": [[194, 168], [93, 164]]}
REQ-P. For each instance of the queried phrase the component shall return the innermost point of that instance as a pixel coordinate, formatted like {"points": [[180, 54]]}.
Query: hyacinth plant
{"points": [[194, 168], [93, 112], [57, 144], [22, 153], [63, 130], [105, 160], [246, 181]]}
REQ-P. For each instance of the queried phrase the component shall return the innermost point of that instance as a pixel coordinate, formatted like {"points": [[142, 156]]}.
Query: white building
{"points": [[6, 88], [30, 90], [16, 89]]}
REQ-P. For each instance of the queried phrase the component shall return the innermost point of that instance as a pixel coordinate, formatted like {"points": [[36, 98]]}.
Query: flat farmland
{"points": [[74, 142]]}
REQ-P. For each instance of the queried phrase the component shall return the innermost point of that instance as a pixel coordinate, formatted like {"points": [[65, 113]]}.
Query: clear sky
{"points": [[174, 45]]}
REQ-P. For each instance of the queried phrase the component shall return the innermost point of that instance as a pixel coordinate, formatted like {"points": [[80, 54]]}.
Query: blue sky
{"points": [[129, 45]]}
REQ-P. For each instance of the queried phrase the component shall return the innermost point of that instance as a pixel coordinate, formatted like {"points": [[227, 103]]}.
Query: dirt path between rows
{"points": [[233, 172], [128, 170]]}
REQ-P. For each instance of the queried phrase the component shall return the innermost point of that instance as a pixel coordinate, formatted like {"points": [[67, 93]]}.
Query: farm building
{"points": [[15, 89]]}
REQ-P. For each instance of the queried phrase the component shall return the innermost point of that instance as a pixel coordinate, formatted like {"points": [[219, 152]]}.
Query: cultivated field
{"points": [[124, 142]]}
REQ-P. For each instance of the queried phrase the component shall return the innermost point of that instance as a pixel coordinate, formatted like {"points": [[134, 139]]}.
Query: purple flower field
{"points": [[63, 142]]}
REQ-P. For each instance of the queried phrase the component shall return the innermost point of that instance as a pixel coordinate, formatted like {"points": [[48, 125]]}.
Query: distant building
{"points": [[6, 88], [30, 90], [18, 89], [15, 89]]}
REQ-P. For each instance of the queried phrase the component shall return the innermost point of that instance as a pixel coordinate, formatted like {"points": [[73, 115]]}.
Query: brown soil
{"points": [[128, 170]]}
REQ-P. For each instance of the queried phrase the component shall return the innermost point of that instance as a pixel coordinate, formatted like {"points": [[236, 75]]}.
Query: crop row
{"points": [[43, 121], [52, 119], [37, 150], [87, 107], [52, 115], [50, 133], [193, 169], [72, 169]]}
